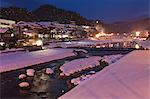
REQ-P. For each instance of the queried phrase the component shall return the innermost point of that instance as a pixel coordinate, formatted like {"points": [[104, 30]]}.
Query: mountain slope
{"points": [[121, 27], [43, 13]]}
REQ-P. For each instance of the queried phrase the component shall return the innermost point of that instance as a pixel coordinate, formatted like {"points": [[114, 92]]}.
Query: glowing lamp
{"points": [[137, 33], [39, 43], [137, 46], [12, 35]]}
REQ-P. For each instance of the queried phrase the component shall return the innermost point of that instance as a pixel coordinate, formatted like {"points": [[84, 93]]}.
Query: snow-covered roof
{"points": [[38, 24], [128, 78], [3, 30], [28, 31], [44, 24]]}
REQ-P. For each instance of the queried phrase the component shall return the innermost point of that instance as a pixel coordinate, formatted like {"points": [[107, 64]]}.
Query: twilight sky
{"points": [[105, 10]]}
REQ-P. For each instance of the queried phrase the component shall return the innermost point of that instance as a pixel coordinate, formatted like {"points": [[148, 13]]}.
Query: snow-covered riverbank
{"points": [[128, 78], [17, 60]]}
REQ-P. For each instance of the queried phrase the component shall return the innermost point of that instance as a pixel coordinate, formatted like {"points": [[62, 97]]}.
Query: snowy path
{"points": [[17, 60], [128, 78]]}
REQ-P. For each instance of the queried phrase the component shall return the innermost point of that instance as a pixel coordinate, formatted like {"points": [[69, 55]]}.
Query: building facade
{"points": [[4, 23]]}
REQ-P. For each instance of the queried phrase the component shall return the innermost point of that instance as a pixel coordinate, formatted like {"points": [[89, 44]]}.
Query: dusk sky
{"points": [[105, 10]]}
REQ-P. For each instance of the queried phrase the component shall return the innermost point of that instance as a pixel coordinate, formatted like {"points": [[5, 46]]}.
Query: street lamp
{"points": [[12, 35], [39, 43], [137, 46]]}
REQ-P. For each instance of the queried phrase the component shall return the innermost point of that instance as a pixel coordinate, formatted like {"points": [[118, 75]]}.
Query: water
{"points": [[53, 86]]}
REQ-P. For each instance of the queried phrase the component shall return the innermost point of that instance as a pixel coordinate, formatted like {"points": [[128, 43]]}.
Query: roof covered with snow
{"points": [[128, 78], [44, 24], [3, 30]]}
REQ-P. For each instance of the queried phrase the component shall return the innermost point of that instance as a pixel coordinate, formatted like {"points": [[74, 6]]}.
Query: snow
{"points": [[112, 58], [44, 24], [49, 71], [24, 84], [30, 72], [78, 80], [128, 78], [12, 50], [79, 64], [17, 60], [84, 43], [144, 44], [3, 30], [21, 76], [84, 63]]}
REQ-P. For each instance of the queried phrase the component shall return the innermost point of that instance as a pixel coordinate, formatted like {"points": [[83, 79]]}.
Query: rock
{"points": [[22, 76], [30, 72], [49, 71], [62, 74], [24, 84]]}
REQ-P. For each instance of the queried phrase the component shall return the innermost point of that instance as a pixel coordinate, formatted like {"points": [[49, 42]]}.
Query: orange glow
{"points": [[137, 33]]}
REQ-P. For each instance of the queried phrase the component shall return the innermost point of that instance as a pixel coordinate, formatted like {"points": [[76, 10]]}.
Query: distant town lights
{"points": [[25, 29], [2, 43], [86, 27], [137, 33], [64, 36]]}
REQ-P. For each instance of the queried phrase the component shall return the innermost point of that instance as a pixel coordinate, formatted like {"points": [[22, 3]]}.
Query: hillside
{"points": [[43, 13], [121, 27]]}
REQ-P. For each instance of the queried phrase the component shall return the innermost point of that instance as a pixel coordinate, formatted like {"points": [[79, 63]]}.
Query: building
{"points": [[4, 23], [5, 34], [140, 34]]}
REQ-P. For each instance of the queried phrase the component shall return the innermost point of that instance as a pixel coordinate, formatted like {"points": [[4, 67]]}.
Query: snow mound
{"points": [[30, 72], [49, 71], [24, 84], [112, 58], [22, 76], [80, 64], [78, 80], [11, 61], [128, 78]]}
